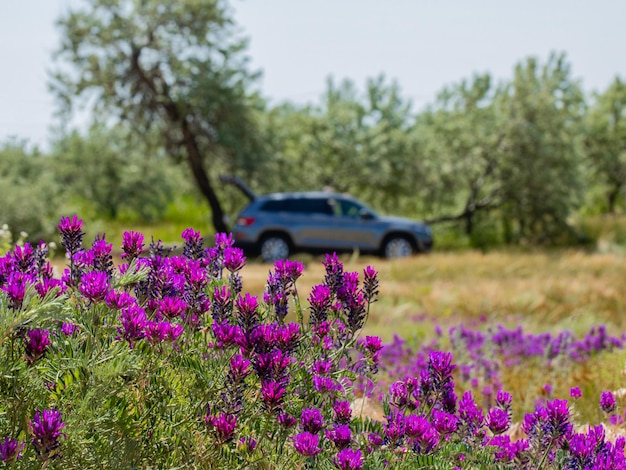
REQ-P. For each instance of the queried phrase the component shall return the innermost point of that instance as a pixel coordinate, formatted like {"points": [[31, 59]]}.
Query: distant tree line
{"points": [[174, 106]]}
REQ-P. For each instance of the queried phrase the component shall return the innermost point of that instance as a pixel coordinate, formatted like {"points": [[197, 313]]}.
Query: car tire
{"points": [[274, 248], [398, 247]]}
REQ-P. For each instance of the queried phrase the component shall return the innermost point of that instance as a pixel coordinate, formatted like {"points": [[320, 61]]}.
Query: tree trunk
{"points": [[612, 197]]}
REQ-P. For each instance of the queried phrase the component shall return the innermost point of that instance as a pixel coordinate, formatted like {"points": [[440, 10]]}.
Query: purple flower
{"points": [[325, 384], [498, 420], [193, 244], [10, 450], [558, 419], [224, 426], [247, 311], [68, 329], [440, 368], [119, 300], [94, 285], [307, 444], [226, 335], [273, 392], [46, 428], [132, 245], [415, 426], [102, 259], [575, 392], [286, 420], [234, 260], [348, 459], [15, 288], [341, 435], [133, 320], [320, 300], [312, 420], [71, 233], [239, 367], [36, 344], [370, 284], [444, 423], [607, 402], [171, 307], [342, 411]]}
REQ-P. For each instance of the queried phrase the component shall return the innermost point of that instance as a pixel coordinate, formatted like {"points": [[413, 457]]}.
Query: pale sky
{"points": [[421, 44]]}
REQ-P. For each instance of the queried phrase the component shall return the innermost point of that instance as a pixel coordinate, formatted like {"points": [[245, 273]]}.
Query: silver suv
{"points": [[277, 225]]}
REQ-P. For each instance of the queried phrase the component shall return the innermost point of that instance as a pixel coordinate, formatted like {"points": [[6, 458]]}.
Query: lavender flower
{"points": [[444, 423], [273, 392], [11, 450], [224, 426], [607, 402], [94, 285], [171, 307], [132, 245], [71, 234], [320, 301], [248, 316], [133, 320], [46, 428], [307, 444], [348, 459], [193, 244], [68, 329], [312, 420], [36, 344], [102, 258], [498, 420], [575, 393], [370, 284], [342, 412], [340, 435], [234, 260]]}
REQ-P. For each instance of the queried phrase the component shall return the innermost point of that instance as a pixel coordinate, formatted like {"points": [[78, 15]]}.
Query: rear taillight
{"points": [[245, 221]]}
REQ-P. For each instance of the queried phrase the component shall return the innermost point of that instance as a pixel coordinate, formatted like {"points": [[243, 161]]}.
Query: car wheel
{"points": [[274, 248], [398, 247]]}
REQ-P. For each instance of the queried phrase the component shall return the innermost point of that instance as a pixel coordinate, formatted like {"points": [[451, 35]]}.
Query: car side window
{"points": [[309, 206], [349, 209]]}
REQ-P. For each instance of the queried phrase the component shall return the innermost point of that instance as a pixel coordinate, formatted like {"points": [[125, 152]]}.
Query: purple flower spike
{"points": [[440, 368], [348, 459], [312, 420], [225, 426], [273, 392], [370, 284], [94, 285], [575, 393], [71, 234], [307, 444], [133, 320], [36, 343], [234, 260], [558, 419], [341, 435], [498, 421], [343, 412], [10, 450], [46, 428], [607, 402], [193, 244], [132, 245]]}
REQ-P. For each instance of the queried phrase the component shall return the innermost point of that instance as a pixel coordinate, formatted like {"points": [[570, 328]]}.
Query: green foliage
{"points": [[605, 144], [122, 177], [173, 72], [30, 194]]}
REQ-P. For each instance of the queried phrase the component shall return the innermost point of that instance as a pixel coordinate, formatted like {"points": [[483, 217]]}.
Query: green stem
{"points": [[545, 455]]}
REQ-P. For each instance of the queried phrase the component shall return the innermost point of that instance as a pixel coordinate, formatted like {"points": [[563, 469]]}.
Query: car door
{"points": [[351, 227], [311, 222]]}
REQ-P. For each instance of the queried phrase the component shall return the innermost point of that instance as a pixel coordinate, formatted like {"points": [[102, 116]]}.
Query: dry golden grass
{"points": [[544, 290]]}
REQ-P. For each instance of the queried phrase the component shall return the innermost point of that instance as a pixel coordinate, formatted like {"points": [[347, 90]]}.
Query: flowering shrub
{"points": [[164, 362]]}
